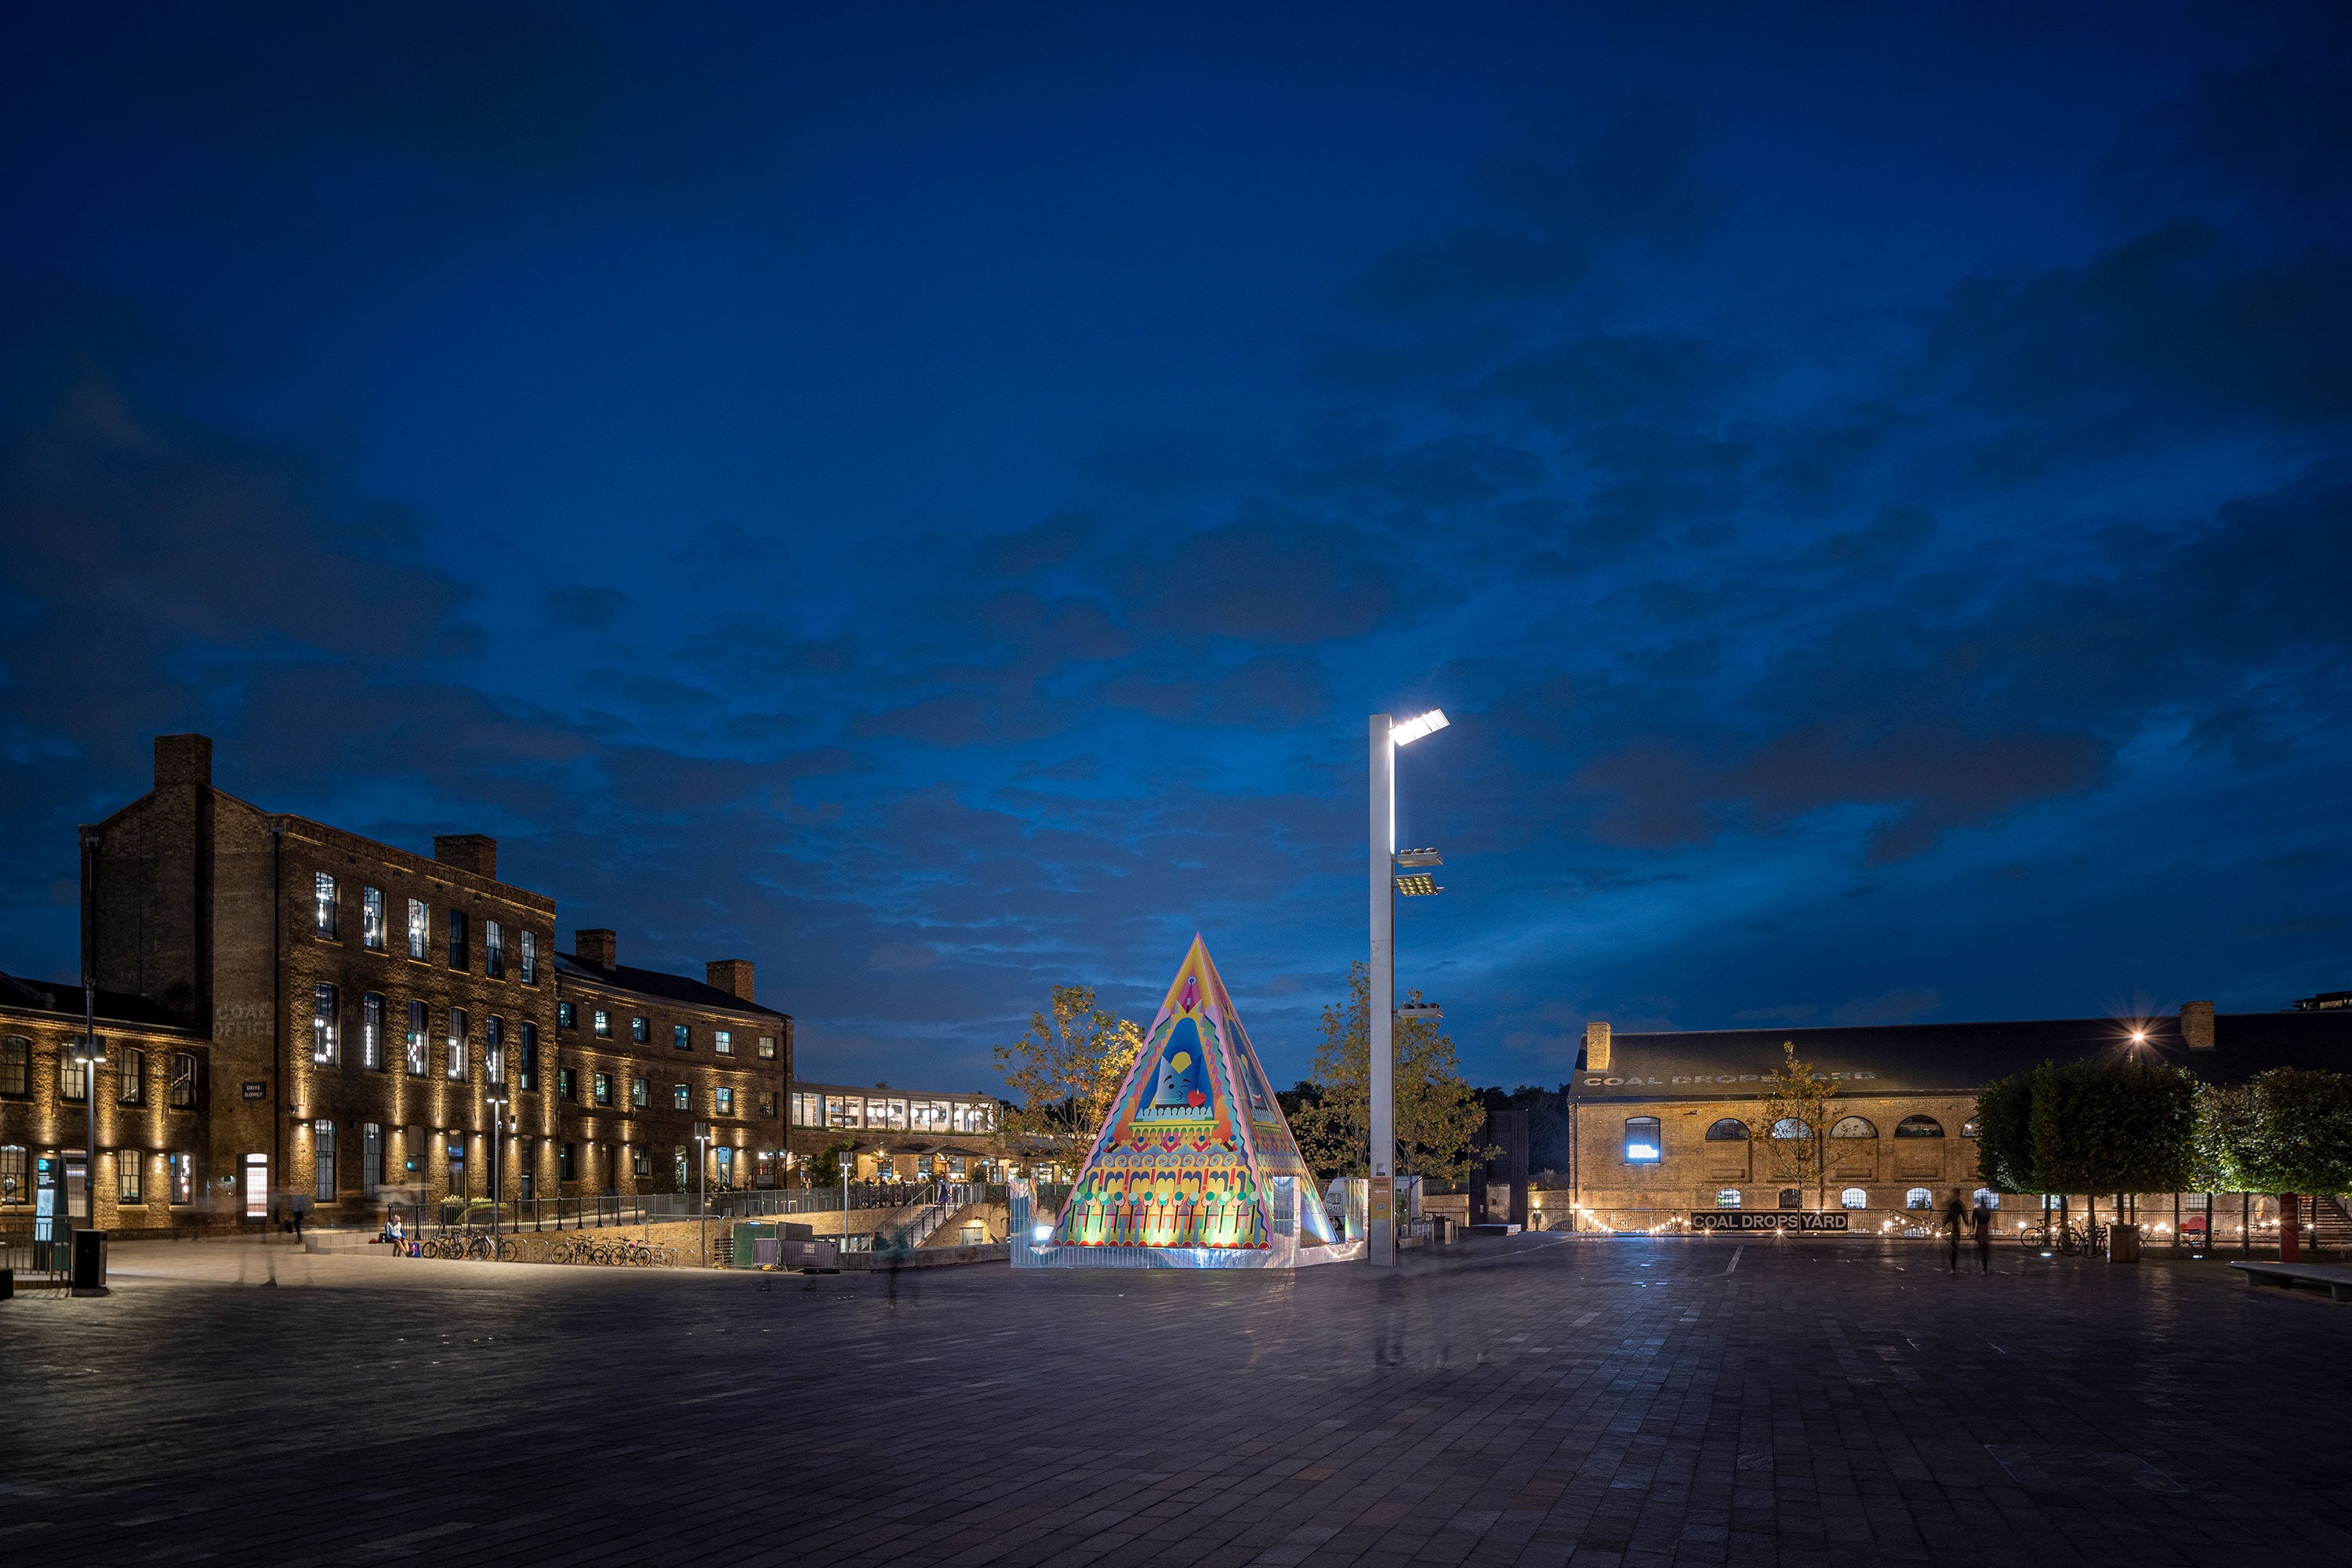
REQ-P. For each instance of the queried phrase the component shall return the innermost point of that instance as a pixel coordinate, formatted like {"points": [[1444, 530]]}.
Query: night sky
{"points": [[926, 499]]}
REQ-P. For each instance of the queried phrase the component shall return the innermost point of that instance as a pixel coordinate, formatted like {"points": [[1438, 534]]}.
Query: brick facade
{"points": [[353, 1016]]}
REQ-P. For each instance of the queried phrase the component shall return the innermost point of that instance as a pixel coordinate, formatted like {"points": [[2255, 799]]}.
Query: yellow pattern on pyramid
{"points": [[1195, 1138]]}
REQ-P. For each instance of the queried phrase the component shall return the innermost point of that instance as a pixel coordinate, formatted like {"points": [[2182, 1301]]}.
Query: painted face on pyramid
{"points": [[1182, 1081]]}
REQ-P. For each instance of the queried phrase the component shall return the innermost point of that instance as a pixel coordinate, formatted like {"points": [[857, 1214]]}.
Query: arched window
{"points": [[1972, 1127], [1855, 1198], [1728, 1198], [1644, 1145], [1791, 1127], [1987, 1198], [1918, 1198], [1854, 1127], [1918, 1127], [1730, 1130]]}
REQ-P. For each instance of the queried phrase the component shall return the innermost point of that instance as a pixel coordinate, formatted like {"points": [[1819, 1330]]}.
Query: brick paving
{"points": [[1540, 1400]]}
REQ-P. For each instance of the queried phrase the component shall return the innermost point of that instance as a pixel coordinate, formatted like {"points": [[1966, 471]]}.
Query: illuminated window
{"points": [[723, 1041], [322, 1025], [530, 957], [420, 922], [1730, 1130], [371, 1156], [129, 1174], [681, 1038], [1855, 1198], [16, 1066], [641, 1093], [567, 1084], [184, 1082], [1918, 1127], [415, 1044], [494, 1047], [1852, 1127], [372, 918], [722, 1101], [183, 1169], [1972, 1127], [1918, 1198], [457, 1042], [603, 1025], [1791, 1127], [73, 1074], [927, 1115], [640, 1031], [1728, 1198], [1644, 1140], [845, 1110], [886, 1113], [15, 1174], [566, 1015], [325, 904], [768, 1048], [603, 1088], [641, 1163], [681, 1097], [371, 1032], [767, 1102], [130, 1076], [322, 1134], [526, 1069]]}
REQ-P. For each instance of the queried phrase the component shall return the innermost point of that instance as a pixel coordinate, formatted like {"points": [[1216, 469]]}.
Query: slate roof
{"points": [[654, 984], [65, 998], [1930, 1059]]}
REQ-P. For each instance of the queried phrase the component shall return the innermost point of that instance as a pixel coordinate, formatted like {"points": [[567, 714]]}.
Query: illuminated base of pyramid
{"points": [[1276, 1251]]}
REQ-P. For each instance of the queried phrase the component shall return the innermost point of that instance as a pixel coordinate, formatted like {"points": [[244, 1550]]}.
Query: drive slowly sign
{"points": [[1766, 1219]]}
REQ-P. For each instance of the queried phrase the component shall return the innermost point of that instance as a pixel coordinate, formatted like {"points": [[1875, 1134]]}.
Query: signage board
{"points": [[255, 1088], [1766, 1219]]}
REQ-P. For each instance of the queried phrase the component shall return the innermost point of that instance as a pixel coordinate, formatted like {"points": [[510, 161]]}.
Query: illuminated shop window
{"points": [[1728, 1198], [1644, 1140], [1918, 1198], [1855, 1198]]}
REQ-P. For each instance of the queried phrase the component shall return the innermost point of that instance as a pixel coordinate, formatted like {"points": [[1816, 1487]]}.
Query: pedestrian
{"points": [[1954, 1217], [1980, 1227], [301, 1207]]}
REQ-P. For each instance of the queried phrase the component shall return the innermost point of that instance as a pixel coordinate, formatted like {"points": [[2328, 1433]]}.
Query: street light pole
{"points": [[1380, 1000]]}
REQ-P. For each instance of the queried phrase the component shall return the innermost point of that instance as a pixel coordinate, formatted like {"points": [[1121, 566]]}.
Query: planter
{"points": [[2123, 1243]]}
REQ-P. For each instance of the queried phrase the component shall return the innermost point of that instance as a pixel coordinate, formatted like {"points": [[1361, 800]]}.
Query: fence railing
{"points": [[2232, 1227], [38, 1262]]}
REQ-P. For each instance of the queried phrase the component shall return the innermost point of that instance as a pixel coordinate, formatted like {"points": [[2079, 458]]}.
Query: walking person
{"points": [[1980, 1227], [1955, 1217]]}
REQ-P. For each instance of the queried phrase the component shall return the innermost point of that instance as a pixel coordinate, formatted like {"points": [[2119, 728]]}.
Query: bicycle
{"points": [[2068, 1239]]}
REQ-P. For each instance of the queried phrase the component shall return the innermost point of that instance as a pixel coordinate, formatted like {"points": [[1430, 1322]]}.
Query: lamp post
{"points": [[701, 1185], [1386, 736]]}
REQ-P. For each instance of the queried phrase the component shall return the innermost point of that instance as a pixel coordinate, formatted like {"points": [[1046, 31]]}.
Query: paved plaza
{"points": [[1536, 1399]]}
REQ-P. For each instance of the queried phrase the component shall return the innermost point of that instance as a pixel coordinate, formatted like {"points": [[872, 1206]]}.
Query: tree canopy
{"points": [[2285, 1130], [1438, 1115], [2092, 1126], [1065, 1072]]}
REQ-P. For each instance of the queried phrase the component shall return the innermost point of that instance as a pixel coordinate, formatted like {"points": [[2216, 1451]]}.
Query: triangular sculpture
{"points": [[1195, 1166]]}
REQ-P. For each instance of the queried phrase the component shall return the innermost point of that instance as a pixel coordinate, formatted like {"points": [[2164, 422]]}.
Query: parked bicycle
{"points": [[2068, 1239]]}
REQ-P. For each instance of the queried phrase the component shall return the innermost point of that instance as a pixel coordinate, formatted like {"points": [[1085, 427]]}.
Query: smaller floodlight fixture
{"points": [[1419, 858], [1418, 885], [1421, 1010], [1412, 729]]}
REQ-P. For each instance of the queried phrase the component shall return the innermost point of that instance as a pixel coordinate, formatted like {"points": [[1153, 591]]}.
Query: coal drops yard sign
{"points": [[1768, 1219]]}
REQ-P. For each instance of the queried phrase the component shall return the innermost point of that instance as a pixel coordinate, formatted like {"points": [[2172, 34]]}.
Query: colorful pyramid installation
{"points": [[1195, 1166]]}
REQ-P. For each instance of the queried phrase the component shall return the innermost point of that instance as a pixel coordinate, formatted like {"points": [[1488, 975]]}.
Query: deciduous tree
{"points": [[1792, 1119], [1064, 1072], [1438, 1115], [2286, 1132]]}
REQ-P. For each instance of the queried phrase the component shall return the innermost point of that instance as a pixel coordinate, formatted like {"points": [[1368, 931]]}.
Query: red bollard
{"points": [[2289, 1226]]}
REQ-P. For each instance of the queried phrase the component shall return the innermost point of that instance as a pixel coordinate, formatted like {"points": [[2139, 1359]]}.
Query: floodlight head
{"points": [[1412, 729]]}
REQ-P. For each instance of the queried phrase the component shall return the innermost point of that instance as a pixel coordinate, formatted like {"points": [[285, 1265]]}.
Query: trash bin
{"points": [[89, 1262], [2123, 1243]]}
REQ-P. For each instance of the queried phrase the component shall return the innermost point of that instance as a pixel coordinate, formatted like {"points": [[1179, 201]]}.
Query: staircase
{"points": [[917, 1227], [2331, 1223]]}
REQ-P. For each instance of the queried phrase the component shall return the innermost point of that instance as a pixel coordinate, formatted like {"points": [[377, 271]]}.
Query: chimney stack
{"points": [[1596, 1047], [468, 852], [596, 946], [183, 760], [2197, 1025], [732, 975]]}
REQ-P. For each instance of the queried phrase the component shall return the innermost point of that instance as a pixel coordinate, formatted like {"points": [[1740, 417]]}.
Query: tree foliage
{"points": [[2112, 1127], [2005, 1140], [2285, 1130], [1066, 1071], [1794, 1092], [1438, 1116]]}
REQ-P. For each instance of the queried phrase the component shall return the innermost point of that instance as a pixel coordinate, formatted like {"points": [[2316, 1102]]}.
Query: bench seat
{"points": [[2338, 1282]]}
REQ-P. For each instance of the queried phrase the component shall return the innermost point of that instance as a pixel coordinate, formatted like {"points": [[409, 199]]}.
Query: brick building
{"points": [[1662, 1124], [896, 1134], [291, 1009]]}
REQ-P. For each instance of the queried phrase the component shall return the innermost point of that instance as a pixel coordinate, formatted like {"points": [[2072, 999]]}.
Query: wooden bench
{"points": [[2338, 1282]]}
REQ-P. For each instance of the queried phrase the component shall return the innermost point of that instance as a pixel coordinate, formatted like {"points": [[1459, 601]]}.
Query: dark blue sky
{"points": [[927, 500]]}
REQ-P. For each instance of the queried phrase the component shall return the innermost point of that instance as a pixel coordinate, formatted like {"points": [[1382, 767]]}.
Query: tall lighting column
{"points": [[1380, 1216]]}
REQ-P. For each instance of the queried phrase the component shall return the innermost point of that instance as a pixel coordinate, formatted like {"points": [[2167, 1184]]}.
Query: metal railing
{"points": [[39, 1264]]}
